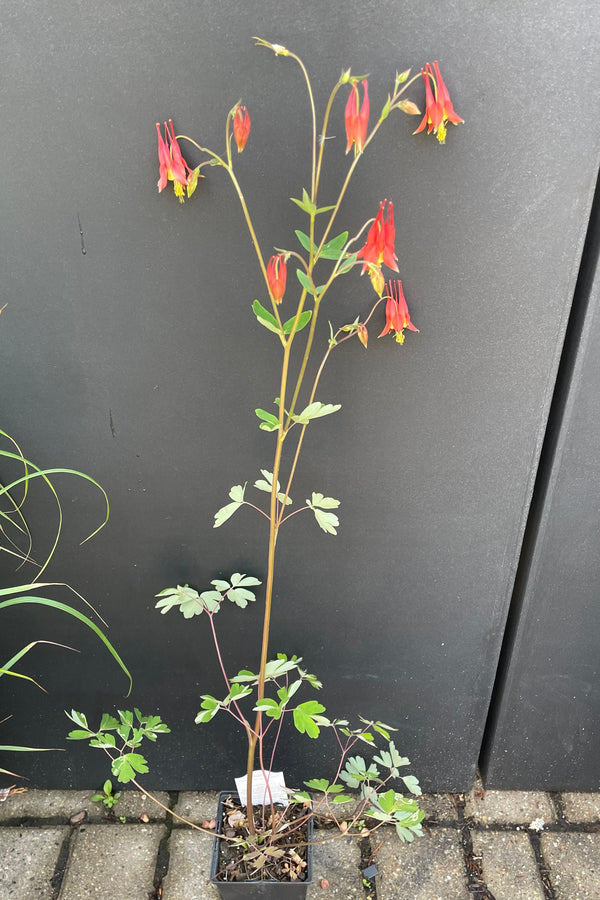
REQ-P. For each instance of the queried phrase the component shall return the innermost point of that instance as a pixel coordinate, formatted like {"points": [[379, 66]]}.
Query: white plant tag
{"points": [[260, 794]]}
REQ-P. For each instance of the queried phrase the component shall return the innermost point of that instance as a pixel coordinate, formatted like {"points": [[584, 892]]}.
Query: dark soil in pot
{"points": [[265, 873]]}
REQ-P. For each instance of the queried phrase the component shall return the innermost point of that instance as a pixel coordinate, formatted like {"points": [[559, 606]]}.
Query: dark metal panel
{"points": [[544, 729], [140, 361]]}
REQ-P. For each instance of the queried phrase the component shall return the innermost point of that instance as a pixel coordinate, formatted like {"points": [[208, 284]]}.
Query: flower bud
{"points": [[276, 276], [363, 336], [241, 127]]}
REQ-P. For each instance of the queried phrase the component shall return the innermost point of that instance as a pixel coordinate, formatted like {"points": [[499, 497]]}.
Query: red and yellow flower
{"points": [[379, 248], [397, 316], [357, 121], [276, 276], [438, 105], [172, 166], [241, 127]]}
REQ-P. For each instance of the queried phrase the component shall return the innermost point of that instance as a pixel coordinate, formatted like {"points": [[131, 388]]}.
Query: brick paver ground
{"points": [[479, 846]]}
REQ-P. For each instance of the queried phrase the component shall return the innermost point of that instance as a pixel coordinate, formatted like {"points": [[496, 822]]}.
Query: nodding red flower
{"points": [[438, 106], [357, 122], [380, 241], [172, 166], [397, 316], [276, 276], [241, 127]]}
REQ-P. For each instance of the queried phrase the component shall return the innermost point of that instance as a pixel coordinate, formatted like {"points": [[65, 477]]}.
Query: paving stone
{"points": [[439, 807], [197, 806], [133, 803], [189, 867], [508, 807], [112, 862], [431, 868], [509, 865], [45, 804], [339, 862], [29, 857], [574, 863], [582, 807]]}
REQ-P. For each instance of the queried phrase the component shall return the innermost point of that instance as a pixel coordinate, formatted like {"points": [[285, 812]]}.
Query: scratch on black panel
{"points": [[113, 430], [83, 250]]}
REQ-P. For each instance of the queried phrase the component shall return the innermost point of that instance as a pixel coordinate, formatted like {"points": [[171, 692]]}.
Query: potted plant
{"points": [[263, 829]]}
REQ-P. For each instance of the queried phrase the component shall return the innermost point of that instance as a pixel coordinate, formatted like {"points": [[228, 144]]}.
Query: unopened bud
{"points": [[410, 108], [377, 279]]}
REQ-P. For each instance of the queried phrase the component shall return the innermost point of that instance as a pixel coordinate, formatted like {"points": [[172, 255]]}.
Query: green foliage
{"points": [[14, 532], [265, 317], [131, 728], [316, 411], [266, 484], [307, 718], [319, 504], [269, 421], [303, 320], [307, 284], [357, 772], [107, 796], [191, 603], [237, 495]]}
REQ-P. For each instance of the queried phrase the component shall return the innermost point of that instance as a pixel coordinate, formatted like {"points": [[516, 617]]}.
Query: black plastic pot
{"points": [[259, 890]]}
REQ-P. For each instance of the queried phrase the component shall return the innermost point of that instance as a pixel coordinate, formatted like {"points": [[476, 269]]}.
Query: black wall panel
{"points": [[140, 362], [544, 729]]}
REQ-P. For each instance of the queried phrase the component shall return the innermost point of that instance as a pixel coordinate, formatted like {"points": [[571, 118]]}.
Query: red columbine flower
{"points": [[438, 108], [276, 276], [397, 316], [172, 166], [241, 127], [380, 241], [357, 122]]}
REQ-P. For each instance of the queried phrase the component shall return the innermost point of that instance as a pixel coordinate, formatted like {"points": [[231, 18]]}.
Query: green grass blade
{"points": [[55, 604]]}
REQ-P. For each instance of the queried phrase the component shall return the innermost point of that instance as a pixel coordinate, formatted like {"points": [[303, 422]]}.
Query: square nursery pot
{"points": [[259, 890]]}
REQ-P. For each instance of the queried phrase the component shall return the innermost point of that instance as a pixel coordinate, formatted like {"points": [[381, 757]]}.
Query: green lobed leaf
{"points": [[107, 722], [266, 484], [270, 707], [318, 784], [323, 502], [269, 421], [236, 693], [124, 767], [245, 675], [237, 495], [240, 596], [78, 718], [315, 411], [277, 667], [240, 580], [211, 601], [327, 521], [186, 598], [304, 717], [412, 784]]}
